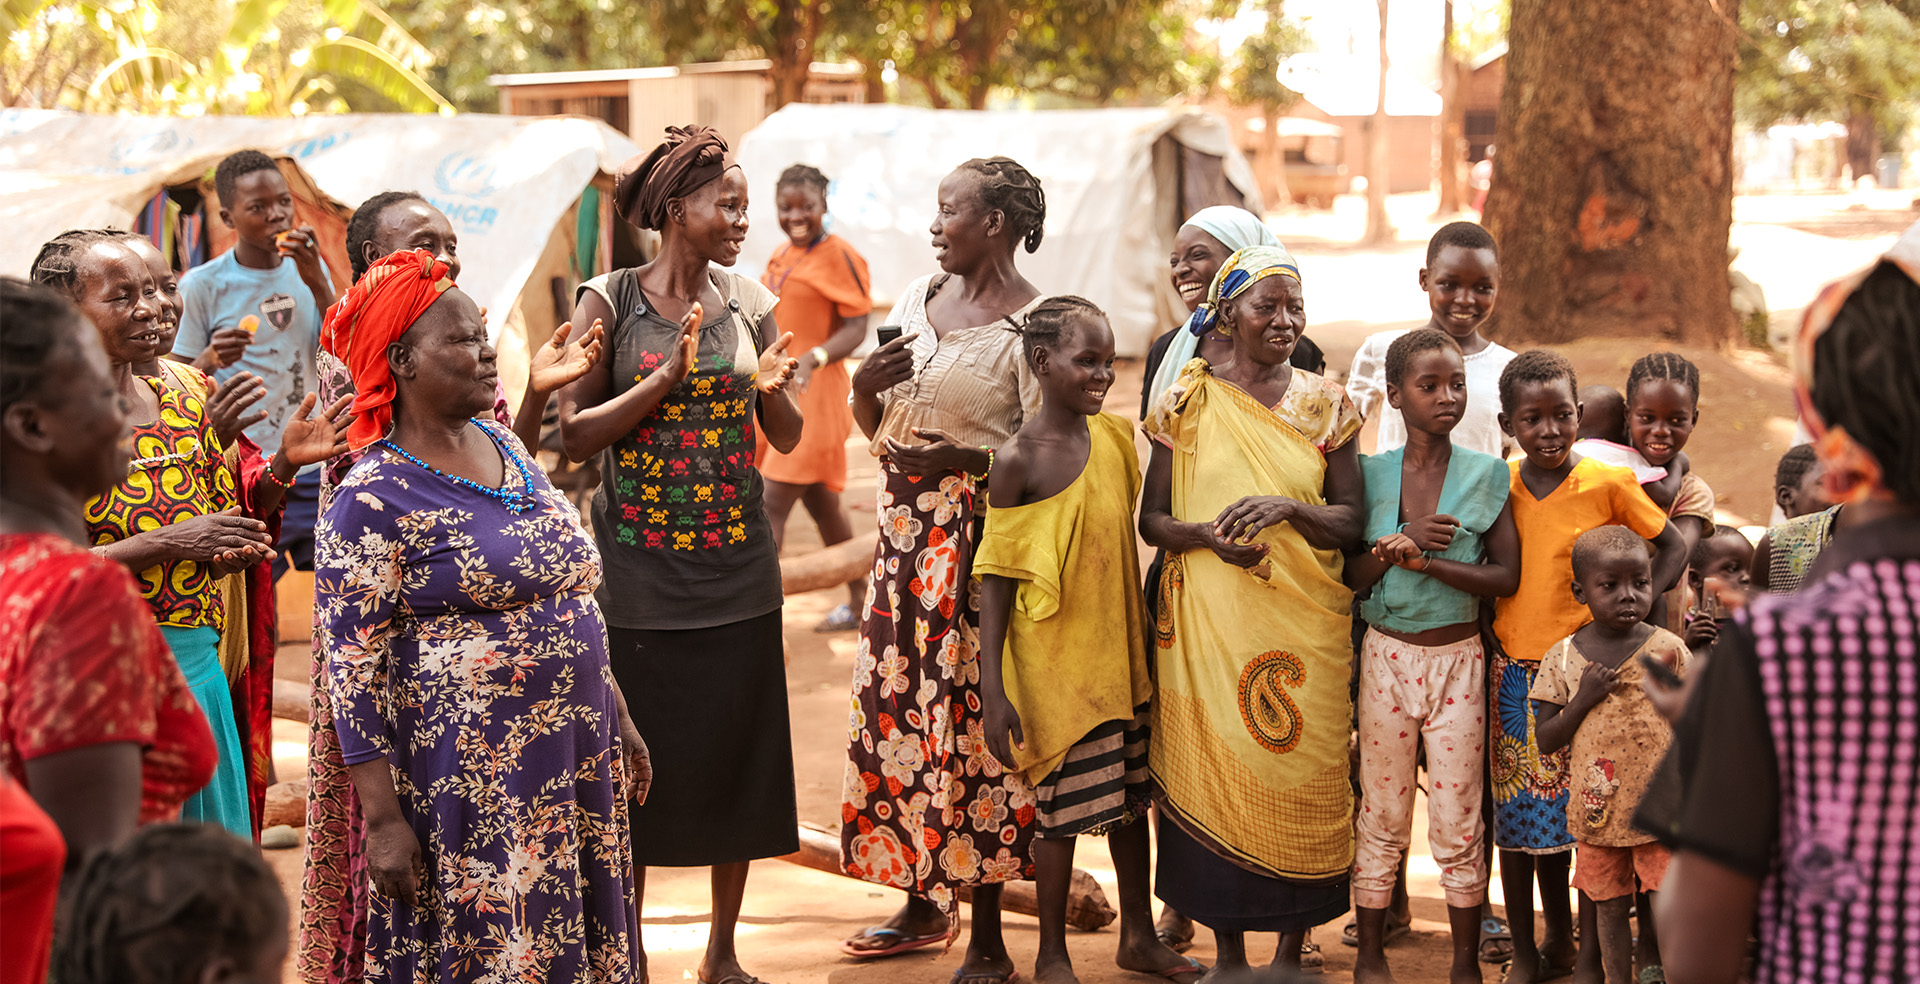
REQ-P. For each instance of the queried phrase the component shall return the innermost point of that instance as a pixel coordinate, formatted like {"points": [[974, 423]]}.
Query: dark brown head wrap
{"points": [[690, 157]]}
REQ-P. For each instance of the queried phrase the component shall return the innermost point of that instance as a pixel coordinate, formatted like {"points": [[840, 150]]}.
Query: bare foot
{"points": [[1054, 968], [1465, 970], [1372, 970], [722, 970], [1148, 955], [986, 970], [1532, 967]]}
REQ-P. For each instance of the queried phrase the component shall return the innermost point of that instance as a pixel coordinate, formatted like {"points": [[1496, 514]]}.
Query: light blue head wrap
{"points": [[1237, 229]]}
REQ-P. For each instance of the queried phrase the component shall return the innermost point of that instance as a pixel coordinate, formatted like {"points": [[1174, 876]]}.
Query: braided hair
{"points": [[1863, 369], [1016, 193], [1411, 344], [365, 225], [58, 263], [1050, 320], [803, 176], [1664, 365], [168, 902], [226, 177], [35, 322], [1534, 366], [1794, 466], [1604, 543], [1466, 235]]}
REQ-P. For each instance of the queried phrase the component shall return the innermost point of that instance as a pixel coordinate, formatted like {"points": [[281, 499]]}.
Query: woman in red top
{"points": [[95, 718]]}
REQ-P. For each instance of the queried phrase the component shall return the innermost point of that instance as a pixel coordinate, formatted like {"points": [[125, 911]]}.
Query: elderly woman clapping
{"points": [[467, 662]]}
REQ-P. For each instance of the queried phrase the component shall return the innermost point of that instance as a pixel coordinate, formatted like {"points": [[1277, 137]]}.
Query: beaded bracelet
{"points": [[275, 479], [989, 471]]}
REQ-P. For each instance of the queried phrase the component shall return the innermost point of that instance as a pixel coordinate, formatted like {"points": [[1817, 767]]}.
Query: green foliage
{"points": [[191, 57], [1828, 59], [473, 39], [1255, 79]]}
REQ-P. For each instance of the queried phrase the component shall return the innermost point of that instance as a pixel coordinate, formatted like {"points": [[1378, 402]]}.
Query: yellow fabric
{"points": [[1543, 612], [235, 638], [1251, 710], [1070, 669]]}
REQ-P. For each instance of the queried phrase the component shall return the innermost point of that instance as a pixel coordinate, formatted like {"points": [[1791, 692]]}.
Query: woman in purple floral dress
{"points": [[467, 665]]}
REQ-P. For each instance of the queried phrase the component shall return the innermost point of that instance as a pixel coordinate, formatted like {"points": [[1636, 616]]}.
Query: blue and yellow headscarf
{"points": [[1242, 270]]}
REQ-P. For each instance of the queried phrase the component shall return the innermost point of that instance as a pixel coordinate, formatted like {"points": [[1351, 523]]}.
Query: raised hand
{"points": [[776, 368], [557, 363], [228, 402], [227, 345], [681, 360], [888, 366], [309, 440]]}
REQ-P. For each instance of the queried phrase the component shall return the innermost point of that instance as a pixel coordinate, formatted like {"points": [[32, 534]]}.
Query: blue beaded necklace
{"points": [[517, 501]]}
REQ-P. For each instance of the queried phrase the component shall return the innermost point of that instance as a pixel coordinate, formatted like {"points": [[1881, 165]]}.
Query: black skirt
{"points": [[1221, 895], [712, 707]]}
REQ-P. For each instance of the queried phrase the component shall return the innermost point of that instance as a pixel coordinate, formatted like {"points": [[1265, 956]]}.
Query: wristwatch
{"points": [[820, 356]]}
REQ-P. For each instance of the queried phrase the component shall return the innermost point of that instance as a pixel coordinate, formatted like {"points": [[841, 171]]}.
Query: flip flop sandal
{"points": [[841, 619], [1174, 941], [960, 976], [1312, 961], [1495, 931], [887, 932], [1655, 974], [734, 979], [1192, 966]]}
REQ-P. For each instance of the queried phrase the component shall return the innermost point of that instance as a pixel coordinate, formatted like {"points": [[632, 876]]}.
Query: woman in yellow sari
{"points": [[1253, 490]]}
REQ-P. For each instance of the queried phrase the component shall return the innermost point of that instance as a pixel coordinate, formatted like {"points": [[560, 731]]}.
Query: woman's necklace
{"points": [[517, 501]]}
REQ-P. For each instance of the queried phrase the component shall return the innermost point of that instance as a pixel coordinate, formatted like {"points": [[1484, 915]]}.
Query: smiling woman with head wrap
{"points": [[1202, 245], [1253, 490], [693, 365], [467, 663]]}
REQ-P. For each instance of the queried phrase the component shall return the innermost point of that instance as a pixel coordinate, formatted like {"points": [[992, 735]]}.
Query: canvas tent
{"points": [[1118, 183], [513, 188]]}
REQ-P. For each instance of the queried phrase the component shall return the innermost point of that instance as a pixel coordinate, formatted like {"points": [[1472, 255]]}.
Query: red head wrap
{"points": [[373, 314]]}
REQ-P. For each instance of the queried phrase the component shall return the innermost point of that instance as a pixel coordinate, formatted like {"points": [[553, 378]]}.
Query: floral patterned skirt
{"points": [[1529, 789], [927, 808]]}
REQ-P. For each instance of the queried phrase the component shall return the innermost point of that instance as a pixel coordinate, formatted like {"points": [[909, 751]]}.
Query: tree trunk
{"points": [[1613, 192], [1450, 130], [1379, 225], [874, 75], [795, 25], [1863, 144], [1273, 164]]}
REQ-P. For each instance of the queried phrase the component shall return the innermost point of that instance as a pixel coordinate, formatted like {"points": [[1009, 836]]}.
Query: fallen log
{"points": [[1087, 906], [829, 567]]}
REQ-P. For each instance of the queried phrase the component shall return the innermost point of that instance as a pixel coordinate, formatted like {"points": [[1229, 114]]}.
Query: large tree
{"points": [[1613, 194], [1856, 61], [1255, 81]]}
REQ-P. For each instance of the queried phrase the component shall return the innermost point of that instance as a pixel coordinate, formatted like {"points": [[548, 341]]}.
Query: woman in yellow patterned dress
{"points": [[1253, 491], [174, 522]]}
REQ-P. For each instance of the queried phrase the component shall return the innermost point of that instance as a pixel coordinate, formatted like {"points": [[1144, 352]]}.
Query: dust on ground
{"points": [[794, 917]]}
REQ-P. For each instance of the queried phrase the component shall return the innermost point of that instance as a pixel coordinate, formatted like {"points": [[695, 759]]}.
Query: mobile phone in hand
{"points": [[888, 333], [1660, 671]]}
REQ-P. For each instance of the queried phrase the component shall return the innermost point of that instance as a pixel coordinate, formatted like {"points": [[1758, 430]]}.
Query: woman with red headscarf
{"points": [[467, 663]]}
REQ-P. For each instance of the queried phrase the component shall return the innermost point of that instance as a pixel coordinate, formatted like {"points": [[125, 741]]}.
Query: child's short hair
{"points": [[1794, 466], [1664, 365], [1603, 543], [1411, 344], [1703, 550], [163, 905], [803, 176], [238, 165], [1535, 366], [1307, 355], [1466, 235], [1047, 323]]}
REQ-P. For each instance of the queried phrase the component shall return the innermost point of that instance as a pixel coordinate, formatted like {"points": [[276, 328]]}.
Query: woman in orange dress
{"points": [[822, 284]]}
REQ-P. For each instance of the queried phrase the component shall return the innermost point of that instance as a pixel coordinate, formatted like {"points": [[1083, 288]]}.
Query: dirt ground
{"points": [[794, 917]]}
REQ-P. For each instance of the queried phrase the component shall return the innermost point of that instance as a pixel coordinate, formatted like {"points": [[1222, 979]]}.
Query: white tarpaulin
{"points": [[504, 181], [1113, 180]]}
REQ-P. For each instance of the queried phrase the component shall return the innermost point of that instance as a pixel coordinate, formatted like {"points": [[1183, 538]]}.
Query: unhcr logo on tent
{"points": [[464, 176]]}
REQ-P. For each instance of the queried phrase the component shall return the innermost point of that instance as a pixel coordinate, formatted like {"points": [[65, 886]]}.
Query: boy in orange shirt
{"points": [[1556, 496]]}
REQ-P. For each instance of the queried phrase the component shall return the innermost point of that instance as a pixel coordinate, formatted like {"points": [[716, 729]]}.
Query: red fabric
{"points": [[82, 663], [31, 855], [253, 693], [372, 315]]}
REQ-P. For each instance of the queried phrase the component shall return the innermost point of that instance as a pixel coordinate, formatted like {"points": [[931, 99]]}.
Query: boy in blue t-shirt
{"points": [[250, 310]]}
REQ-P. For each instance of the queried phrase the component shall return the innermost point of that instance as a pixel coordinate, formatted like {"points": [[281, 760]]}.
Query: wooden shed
{"points": [[732, 96]]}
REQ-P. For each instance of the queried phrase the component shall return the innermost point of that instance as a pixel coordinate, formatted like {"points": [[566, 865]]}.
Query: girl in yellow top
{"points": [[1065, 686], [1556, 495]]}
